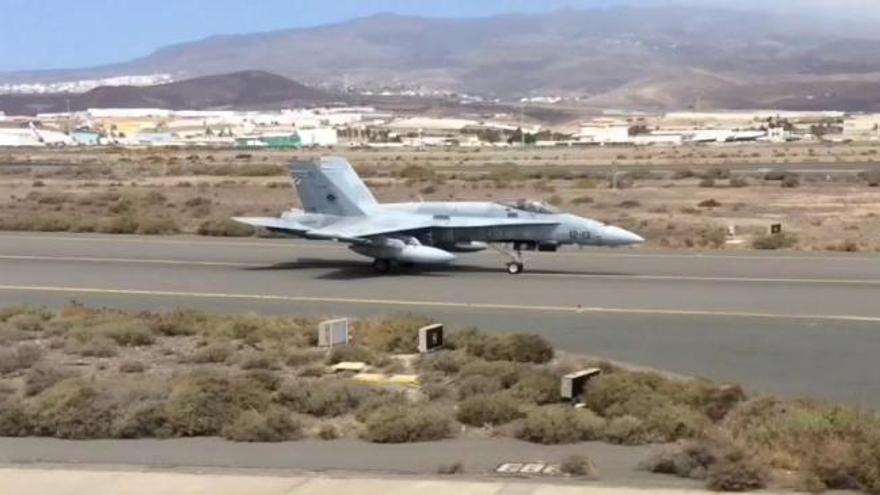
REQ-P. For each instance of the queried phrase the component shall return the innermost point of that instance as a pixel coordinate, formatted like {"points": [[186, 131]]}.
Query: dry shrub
{"points": [[495, 409], [127, 333], [579, 465], [142, 419], [775, 241], [302, 357], [508, 374], [671, 422], [72, 408], [434, 390], [225, 228], [395, 335], [257, 361], [538, 387], [132, 366], [41, 377], [721, 400], [687, 459], [627, 430], [14, 419], [444, 361], [470, 386], [20, 357], [837, 446], [218, 352], [560, 424], [177, 323], [328, 432], [737, 474], [325, 397], [275, 425], [152, 225], [29, 321], [667, 410], [738, 182], [202, 402], [791, 181], [521, 348], [401, 424], [101, 347]]}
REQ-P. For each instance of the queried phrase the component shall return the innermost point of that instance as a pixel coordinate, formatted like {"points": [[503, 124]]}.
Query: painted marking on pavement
{"points": [[435, 304]]}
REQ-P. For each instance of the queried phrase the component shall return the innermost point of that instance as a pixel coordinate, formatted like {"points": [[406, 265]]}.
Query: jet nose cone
{"points": [[616, 236]]}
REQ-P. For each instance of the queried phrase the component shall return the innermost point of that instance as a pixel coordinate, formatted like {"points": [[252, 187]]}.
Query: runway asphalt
{"points": [[793, 324]]}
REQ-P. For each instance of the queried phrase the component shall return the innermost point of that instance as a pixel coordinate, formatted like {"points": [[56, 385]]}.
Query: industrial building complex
{"points": [[367, 126]]}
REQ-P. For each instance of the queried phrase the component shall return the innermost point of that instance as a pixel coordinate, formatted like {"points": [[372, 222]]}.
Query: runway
{"points": [[793, 324]]}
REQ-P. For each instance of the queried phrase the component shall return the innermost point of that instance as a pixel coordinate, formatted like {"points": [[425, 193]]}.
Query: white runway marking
{"points": [[433, 304]]}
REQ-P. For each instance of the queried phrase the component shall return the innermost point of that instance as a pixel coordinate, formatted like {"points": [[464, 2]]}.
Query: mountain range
{"points": [[661, 57], [244, 89]]}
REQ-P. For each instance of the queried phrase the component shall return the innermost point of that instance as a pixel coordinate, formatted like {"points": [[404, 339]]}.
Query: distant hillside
{"points": [[240, 90], [630, 56]]}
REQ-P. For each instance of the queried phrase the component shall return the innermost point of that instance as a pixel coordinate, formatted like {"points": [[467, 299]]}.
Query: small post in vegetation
{"points": [[430, 338], [332, 333], [574, 385]]}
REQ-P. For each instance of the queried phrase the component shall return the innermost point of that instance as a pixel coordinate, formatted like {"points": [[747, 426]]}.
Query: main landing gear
{"points": [[381, 265], [515, 268], [516, 265]]}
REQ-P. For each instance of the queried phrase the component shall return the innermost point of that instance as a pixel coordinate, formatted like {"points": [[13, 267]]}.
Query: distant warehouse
{"points": [[299, 139]]}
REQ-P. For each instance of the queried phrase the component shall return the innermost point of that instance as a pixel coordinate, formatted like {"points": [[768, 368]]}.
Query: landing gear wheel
{"points": [[515, 268], [381, 265]]}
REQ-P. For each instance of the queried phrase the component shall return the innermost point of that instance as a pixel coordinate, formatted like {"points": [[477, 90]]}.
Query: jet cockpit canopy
{"points": [[531, 206]]}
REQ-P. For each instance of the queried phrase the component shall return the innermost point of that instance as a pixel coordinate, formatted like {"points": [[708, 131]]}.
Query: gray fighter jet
{"points": [[339, 207]]}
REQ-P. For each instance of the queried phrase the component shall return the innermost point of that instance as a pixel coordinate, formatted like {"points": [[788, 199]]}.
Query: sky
{"points": [[55, 34]]}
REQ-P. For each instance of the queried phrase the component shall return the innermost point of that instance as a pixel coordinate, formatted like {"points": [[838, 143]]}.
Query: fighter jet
{"points": [[338, 206]]}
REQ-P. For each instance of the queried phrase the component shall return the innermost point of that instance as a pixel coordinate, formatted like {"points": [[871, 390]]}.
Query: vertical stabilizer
{"points": [[332, 187]]}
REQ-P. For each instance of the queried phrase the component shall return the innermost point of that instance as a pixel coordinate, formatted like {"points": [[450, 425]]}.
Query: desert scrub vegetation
{"points": [[255, 378], [775, 241]]}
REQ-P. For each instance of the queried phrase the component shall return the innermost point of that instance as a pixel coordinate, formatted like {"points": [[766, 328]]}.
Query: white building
{"points": [[862, 126], [322, 136], [599, 132], [31, 136]]}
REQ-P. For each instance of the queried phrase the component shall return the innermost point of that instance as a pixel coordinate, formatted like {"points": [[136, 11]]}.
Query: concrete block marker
{"points": [[574, 385], [430, 338], [333, 332]]}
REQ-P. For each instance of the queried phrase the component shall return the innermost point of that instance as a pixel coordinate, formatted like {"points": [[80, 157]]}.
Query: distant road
{"points": [[794, 324]]}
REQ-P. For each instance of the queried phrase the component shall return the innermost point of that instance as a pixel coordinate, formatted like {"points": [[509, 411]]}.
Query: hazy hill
{"points": [[247, 89], [628, 55]]}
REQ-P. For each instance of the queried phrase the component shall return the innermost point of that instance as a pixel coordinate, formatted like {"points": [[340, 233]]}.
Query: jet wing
{"points": [[354, 230], [358, 230]]}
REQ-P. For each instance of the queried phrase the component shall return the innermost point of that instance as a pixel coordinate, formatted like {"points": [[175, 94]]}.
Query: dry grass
{"points": [[159, 192], [261, 379]]}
